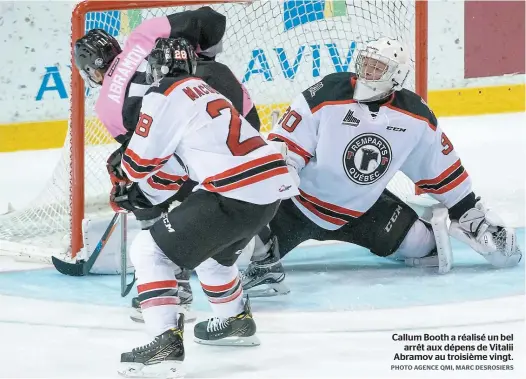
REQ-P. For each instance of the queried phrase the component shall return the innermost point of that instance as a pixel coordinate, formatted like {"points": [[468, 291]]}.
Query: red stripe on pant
{"points": [[222, 300], [158, 301], [157, 285], [220, 287]]}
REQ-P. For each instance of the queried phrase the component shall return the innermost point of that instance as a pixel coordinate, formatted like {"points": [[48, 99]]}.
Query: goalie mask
{"points": [[169, 57], [382, 68], [95, 52]]}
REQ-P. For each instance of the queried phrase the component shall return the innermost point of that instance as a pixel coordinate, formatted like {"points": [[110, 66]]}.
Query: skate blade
{"points": [[189, 315], [274, 289], [231, 341], [166, 369]]}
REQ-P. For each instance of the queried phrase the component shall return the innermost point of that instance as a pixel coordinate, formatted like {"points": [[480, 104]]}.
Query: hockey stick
{"points": [[125, 287], [82, 267]]}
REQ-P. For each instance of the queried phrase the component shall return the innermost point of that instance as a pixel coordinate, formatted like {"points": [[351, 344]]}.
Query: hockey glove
{"points": [[484, 231], [128, 197], [113, 165]]}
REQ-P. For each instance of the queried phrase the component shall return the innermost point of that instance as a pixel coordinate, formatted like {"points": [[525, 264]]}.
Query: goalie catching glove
{"points": [[485, 232]]}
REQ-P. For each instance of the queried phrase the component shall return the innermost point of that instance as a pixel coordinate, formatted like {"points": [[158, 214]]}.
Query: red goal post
{"points": [[78, 120]]}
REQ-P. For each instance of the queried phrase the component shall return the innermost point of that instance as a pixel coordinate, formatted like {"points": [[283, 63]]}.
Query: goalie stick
{"points": [[82, 267]]}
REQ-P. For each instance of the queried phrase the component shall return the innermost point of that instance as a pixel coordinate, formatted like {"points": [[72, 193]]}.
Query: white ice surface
{"points": [[64, 340]]}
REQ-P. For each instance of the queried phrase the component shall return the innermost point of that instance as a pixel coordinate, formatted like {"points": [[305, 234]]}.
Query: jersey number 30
{"points": [[236, 147], [290, 120]]}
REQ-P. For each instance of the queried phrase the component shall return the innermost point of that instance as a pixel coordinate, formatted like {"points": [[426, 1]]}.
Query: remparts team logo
{"points": [[367, 158]]}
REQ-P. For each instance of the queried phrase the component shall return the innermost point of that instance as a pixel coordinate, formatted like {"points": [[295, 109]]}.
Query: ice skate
{"points": [[161, 358], [264, 278], [184, 293], [238, 330]]}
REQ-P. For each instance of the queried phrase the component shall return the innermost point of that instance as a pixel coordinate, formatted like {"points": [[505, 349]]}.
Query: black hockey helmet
{"points": [[95, 51], [169, 57]]}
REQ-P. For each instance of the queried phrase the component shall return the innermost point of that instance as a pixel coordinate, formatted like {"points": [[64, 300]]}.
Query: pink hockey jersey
{"points": [[346, 155], [185, 119], [119, 94]]}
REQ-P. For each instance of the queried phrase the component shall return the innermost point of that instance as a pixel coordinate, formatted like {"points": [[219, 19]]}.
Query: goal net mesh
{"points": [[277, 49]]}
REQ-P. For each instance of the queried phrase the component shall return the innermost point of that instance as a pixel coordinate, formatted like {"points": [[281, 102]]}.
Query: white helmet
{"points": [[382, 68]]}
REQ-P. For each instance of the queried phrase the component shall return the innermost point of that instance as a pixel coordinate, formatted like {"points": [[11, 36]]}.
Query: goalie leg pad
{"points": [[440, 230], [438, 245], [418, 242]]}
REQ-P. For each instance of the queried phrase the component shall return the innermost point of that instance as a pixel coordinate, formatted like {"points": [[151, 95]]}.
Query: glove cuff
{"points": [[457, 210]]}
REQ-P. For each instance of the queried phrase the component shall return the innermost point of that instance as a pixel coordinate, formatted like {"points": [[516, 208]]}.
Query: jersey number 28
{"points": [[236, 147]]}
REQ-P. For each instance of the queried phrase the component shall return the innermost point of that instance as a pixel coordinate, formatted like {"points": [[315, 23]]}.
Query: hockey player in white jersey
{"points": [[347, 136], [241, 181], [120, 73], [102, 62]]}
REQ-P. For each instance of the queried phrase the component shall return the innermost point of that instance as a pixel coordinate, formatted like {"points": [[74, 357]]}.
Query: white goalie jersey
{"points": [[346, 155], [187, 129]]}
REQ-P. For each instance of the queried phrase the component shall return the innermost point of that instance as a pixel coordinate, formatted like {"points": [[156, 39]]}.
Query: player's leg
{"points": [[201, 227], [167, 190], [185, 296], [232, 323], [390, 228], [213, 226], [265, 274], [159, 301]]}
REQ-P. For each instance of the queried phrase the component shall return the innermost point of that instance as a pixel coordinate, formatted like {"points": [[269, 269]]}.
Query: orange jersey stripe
{"points": [[164, 175], [145, 161], [389, 105], [329, 206], [442, 176], [334, 102], [134, 174], [244, 167], [174, 86], [449, 186], [248, 181], [293, 147], [310, 207], [163, 187]]}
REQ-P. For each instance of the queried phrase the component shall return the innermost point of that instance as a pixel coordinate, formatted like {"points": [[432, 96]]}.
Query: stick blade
{"points": [[71, 269]]}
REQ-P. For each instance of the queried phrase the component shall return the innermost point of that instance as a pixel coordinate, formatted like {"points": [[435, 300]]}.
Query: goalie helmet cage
{"points": [[260, 41]]}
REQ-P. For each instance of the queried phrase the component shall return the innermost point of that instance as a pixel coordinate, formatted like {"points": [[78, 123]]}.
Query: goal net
{"points": [[277, 49]]}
